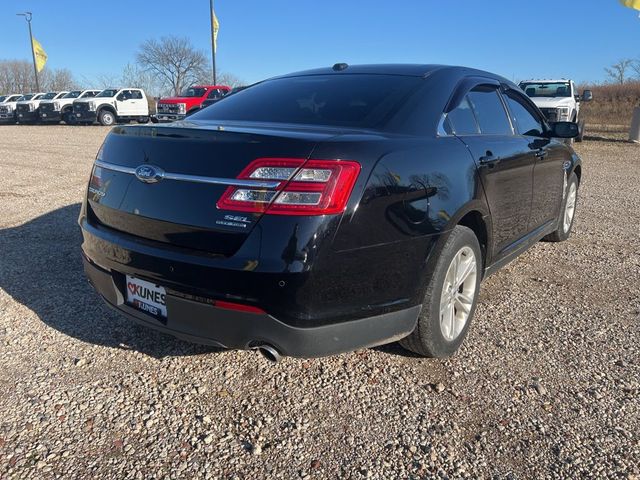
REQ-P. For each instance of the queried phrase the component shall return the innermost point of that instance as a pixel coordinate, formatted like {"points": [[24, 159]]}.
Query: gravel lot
{"points": [[547, 384]]}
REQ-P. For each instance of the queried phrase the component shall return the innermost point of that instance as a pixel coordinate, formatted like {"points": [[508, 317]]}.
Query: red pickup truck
{"points": [[176, 108]]}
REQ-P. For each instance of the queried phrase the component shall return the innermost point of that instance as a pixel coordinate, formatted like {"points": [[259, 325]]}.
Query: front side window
{"points": [[214, 93], [524, 119], [489, 110]]}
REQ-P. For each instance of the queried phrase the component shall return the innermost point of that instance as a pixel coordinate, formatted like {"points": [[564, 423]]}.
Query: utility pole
{"points": [[213, 41], [27, 16]]}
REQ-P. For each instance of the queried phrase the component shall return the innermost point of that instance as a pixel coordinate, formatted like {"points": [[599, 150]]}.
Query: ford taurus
{"points": [[328, 210]]}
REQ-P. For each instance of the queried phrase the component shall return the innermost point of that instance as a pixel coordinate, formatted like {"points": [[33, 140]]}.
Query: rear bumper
{"points": [[201, 322], [167, 117]]}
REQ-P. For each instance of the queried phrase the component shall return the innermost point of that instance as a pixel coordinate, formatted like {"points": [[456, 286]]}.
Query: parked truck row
{"points": [[106, 107]]}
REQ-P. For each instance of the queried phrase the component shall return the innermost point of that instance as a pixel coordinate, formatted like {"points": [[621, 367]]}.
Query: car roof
{"points": [[405, 69], [546, 80]]}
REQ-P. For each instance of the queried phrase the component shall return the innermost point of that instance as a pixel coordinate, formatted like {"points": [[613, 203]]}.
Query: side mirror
{"points": [[564, 130], [587, 96]]}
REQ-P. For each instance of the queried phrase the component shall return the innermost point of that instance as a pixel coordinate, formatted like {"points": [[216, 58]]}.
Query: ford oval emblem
{"points": [[149, 173]]}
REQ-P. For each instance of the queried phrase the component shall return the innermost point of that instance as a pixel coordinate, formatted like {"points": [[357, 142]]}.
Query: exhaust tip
{"points": [[270, 353]]}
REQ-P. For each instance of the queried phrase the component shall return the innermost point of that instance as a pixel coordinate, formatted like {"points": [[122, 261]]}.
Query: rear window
{"points": [[362, 101]]}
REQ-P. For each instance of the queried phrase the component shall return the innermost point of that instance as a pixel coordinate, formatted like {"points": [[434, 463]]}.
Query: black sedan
{"points": [[328, 210]]}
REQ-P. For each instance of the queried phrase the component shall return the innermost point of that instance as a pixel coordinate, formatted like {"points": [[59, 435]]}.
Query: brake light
{"points": [[311, 187]]}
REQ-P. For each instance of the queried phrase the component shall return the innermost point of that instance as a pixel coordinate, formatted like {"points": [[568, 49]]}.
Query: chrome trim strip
{"points": [[235, 182]]}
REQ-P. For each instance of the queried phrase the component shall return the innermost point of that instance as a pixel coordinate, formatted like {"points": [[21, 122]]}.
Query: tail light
{"points": [[307, 187]]}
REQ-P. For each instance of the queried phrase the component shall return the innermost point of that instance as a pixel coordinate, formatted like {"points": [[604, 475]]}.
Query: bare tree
{"points": [[58, 80], [617, 73], [175, 62], [229, 79], [16, 76]]}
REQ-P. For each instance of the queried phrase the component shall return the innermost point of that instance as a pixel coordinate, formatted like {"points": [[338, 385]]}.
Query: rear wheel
{"points": [[450, 299], [567, 212], [106, 118]]}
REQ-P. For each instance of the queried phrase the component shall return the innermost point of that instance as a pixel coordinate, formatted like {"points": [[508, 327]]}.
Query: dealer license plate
{"points": [[147, 297]]}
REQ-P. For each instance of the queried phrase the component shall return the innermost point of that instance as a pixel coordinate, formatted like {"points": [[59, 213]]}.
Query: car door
{"points": [[548, 171], [504, 163], [124, 103], [139, 106]]}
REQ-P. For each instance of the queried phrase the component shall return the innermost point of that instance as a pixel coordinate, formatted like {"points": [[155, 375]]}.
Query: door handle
{"points": [[541, 153], [489, 159]]}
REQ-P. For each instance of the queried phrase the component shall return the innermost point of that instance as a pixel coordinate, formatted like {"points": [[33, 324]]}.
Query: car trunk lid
{"points": [[192, 163]]}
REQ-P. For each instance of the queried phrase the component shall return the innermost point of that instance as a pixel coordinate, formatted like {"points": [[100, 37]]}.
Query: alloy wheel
{"points": [[570, 207], [458, 292]]}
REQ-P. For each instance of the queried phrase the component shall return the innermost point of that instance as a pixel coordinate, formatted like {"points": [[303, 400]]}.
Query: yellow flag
{"points": [[41, 55], [631, 3], [216, 27]]}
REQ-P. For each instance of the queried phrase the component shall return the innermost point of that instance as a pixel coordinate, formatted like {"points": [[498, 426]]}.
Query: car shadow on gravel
{"points": [[41, 268]]}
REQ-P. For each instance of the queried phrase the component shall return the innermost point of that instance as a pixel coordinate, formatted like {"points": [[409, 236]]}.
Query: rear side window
{"points": [[523, 116], [489, 110], [352, 100], [461, 120]]}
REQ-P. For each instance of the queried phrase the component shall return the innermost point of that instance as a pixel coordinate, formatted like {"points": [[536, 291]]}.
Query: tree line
{"points": [[623, 71], [164, 66]]}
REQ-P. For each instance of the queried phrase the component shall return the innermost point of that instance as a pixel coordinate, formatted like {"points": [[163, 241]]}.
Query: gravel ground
{"points": [[547, 384]]}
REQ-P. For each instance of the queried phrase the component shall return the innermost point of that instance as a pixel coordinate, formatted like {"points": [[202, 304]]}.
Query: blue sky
{"points": [[262, 38]]}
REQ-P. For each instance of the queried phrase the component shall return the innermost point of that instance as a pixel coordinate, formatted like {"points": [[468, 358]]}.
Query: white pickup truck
{"points": [[558, 100], [112, 105], [62, 107], [8, 108], [27, 108]]}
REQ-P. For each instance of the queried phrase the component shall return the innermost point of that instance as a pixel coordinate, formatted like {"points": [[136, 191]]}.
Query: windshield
{"points": [[74, 94], [29, 96], [48, 96], [357, 100], [3, 98], [547, 89], [109, 92], [193, 92]]}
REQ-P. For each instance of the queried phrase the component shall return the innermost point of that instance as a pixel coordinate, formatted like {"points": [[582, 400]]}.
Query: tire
{"points": [[67, 118], [580, 136], [570, 201], [106, 118], [433, 337]]}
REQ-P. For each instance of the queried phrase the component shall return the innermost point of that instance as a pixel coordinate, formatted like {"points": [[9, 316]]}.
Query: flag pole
{"points": [[27, 16], [213, 43]]}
